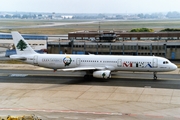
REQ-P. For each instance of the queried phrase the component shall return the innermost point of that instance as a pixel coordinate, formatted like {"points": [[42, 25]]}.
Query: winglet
{"points": [[22, 47]]}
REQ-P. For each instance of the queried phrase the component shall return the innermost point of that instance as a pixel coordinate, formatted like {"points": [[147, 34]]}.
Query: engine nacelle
{"points": [[106, 74]]}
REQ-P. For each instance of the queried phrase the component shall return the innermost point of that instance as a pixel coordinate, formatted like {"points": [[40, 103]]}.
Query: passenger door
{"points": [[155, 62], [119, 63], [78, 61]]}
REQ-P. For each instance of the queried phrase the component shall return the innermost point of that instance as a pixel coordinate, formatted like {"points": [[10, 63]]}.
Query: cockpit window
{"points": [[165, 62]]}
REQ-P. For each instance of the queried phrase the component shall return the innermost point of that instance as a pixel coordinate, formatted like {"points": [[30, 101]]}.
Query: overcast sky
{"points": [[90, 6]]}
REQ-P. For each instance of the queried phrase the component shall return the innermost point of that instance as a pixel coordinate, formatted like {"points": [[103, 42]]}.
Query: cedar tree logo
{"points": [[67, 61], [21, 45]]}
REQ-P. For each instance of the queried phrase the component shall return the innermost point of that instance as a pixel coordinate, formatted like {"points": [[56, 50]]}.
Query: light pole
{"points": [[99, 27], [59, 46], [158, 45]]}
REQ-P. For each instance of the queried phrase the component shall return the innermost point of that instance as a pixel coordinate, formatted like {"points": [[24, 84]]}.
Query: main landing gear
{"points": [[155, 75], [88, 75]]}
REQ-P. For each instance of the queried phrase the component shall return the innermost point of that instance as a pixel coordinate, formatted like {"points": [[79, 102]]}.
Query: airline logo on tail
{"points": [[21, 45]]}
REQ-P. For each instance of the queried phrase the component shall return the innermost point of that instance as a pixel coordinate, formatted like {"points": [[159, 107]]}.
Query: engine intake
{"points": [[106, 74]]}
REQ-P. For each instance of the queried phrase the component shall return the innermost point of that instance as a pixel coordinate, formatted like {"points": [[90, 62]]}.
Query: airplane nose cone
{"points": [[174, 67]]}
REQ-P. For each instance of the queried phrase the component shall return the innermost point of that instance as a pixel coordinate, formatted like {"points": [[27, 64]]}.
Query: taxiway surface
{"points": [[66, 95], [129, 79]]}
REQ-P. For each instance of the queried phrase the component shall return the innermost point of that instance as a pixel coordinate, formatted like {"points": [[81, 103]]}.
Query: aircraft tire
{"points": [[88, 77]]}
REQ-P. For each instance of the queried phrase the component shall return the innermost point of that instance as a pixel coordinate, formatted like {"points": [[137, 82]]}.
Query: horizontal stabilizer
{"points": [[17, 57]]}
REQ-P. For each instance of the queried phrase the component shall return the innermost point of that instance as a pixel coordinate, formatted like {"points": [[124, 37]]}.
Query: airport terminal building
{"points": [[165, 44]]}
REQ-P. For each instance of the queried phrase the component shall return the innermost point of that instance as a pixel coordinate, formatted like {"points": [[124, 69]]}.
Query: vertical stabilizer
{"points": [[22, 47]]}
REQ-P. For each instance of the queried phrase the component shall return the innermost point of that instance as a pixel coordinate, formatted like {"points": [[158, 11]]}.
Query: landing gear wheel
{"points": [[155, 76], [88, 77]]}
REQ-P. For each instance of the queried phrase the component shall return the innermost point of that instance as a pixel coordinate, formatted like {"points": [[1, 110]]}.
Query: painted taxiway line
{"points": [[85, 112], [26, 75], [58, 111], [142, 78], [18, 75]]}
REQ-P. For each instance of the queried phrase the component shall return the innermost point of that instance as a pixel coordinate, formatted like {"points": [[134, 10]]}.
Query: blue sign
{"points": [[173, 55]]}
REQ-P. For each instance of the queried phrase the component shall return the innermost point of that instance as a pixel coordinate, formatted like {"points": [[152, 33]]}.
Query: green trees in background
{"points": [[170, 30], [142, 30], [151, 30]]}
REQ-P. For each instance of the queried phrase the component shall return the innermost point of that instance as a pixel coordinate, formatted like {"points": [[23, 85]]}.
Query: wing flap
{"points": [[83, 68], [79, 69]]}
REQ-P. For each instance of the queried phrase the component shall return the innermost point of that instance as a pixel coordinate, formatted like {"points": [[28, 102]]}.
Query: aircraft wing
{"points": [[83, 68]]}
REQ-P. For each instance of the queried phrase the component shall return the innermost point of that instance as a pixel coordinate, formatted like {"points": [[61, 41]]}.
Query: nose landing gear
{"points": [[155, 75]]}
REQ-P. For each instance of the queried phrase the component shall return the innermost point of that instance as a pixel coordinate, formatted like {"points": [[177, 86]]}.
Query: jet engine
{"points": [[106, 74]]}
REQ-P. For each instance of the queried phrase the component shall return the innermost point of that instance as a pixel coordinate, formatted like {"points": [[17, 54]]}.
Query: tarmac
{"points": [[76, 101]]}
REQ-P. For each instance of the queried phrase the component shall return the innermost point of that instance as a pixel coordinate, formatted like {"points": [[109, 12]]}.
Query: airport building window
{"points": [[157, 47], [132, 47], [79, 38], [152, 47], [85, 38]]}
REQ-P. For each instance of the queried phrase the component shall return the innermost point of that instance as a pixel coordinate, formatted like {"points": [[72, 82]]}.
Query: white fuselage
{"points": [[104, 62], [100, 66]]}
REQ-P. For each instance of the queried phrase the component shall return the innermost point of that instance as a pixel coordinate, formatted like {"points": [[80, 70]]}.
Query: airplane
{"points": [[97, 66]]}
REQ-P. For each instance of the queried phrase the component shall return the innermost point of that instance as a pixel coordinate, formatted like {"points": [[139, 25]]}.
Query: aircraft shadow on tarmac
{"points": [[125, 82]]}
